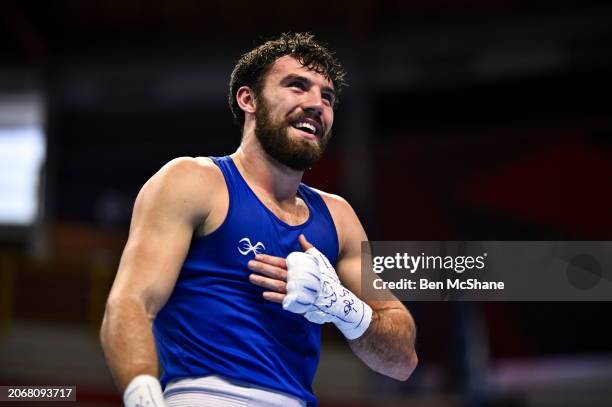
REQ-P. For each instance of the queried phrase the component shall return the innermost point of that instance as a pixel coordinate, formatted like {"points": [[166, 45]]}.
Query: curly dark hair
{"points": [[253, 65]]}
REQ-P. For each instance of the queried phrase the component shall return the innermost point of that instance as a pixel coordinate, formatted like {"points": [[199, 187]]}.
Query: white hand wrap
{"points": [[144, 390], [314, 289]]}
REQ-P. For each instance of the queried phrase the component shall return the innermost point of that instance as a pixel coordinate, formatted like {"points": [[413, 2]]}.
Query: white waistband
{"points": [[219, 391]]}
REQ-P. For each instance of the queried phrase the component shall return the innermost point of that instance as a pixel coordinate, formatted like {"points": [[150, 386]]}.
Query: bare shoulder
{"points": [[188, 174], [191, 169], [337, 205], [348, 227], [184, 183]]}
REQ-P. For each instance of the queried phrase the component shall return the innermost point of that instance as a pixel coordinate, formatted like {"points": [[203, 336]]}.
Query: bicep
{"points": [[162, 226], [348, 265], [350, 269], [150, 264]]}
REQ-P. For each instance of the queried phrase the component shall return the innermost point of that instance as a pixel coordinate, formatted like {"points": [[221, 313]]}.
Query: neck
{"points": [[265, 173]]}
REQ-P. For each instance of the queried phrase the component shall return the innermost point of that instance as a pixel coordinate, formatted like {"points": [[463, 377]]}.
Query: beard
{"points": [[299, 154]]}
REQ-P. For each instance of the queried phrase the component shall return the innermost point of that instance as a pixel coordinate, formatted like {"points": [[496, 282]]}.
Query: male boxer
{"points": [[232, 263]]}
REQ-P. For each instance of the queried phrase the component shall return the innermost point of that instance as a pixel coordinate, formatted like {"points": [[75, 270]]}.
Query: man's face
{"points": [[294, 114]]}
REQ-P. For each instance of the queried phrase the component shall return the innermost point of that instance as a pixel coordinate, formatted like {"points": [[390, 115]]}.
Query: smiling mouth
{"points": [[308, 126]]}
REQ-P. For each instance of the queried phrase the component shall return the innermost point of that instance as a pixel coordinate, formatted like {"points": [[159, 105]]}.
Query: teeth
{"points": [[308, 126]]}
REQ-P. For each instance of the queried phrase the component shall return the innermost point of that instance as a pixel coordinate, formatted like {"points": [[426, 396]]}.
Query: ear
{"points": [[246, 99]]}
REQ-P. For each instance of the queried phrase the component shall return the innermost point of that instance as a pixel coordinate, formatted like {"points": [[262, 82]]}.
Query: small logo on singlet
{"points": [[245, 246]]}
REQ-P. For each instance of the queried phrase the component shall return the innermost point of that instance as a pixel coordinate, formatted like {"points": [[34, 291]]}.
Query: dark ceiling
{"points": [[34, 31]]}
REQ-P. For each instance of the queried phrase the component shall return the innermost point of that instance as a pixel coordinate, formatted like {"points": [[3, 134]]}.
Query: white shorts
{"points": [[217, 391]]}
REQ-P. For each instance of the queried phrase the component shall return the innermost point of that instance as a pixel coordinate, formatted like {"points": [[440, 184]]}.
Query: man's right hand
{"points": [[144, 390]]}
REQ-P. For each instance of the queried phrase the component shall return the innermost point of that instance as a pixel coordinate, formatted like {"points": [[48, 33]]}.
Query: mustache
{"points": [[307, 115]]}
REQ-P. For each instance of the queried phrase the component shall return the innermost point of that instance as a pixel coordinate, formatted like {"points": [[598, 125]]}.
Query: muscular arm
{"points": [[166, 212], [387, 346]]}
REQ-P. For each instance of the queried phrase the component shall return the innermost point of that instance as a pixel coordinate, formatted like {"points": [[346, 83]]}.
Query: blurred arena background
{"points": [[464, 120]]}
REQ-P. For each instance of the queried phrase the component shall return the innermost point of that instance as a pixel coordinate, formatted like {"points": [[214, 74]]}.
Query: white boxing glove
{"points": [[314, 290], [144, 390]]}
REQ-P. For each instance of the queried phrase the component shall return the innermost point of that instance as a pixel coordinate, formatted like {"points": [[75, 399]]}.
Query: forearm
{"points": [[387, 346], [127, 341]]}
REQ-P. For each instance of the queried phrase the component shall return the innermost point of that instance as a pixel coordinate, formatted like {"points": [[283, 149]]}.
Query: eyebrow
{"points": [[291, 77]]}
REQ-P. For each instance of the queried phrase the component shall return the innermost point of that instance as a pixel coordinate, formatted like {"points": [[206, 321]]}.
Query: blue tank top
{"points": [[217, 322]]}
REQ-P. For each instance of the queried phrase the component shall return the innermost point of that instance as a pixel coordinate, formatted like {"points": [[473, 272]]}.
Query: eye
{"points": [[329, 97], [298, 84]]}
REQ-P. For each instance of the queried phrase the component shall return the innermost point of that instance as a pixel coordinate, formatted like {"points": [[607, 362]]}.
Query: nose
{"points": [[314, 102]]}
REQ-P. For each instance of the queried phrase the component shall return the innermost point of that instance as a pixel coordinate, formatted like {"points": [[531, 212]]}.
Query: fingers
{"points": [[269, 270], [272, 260], [305, 244], [274, 297], [277, 286]]}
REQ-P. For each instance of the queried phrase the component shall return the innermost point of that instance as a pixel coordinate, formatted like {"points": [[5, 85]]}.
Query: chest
{"points": [[253, 227], [293, 214]]}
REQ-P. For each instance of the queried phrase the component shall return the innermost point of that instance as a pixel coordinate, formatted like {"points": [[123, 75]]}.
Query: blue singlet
{"points": [[216, 322]]}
